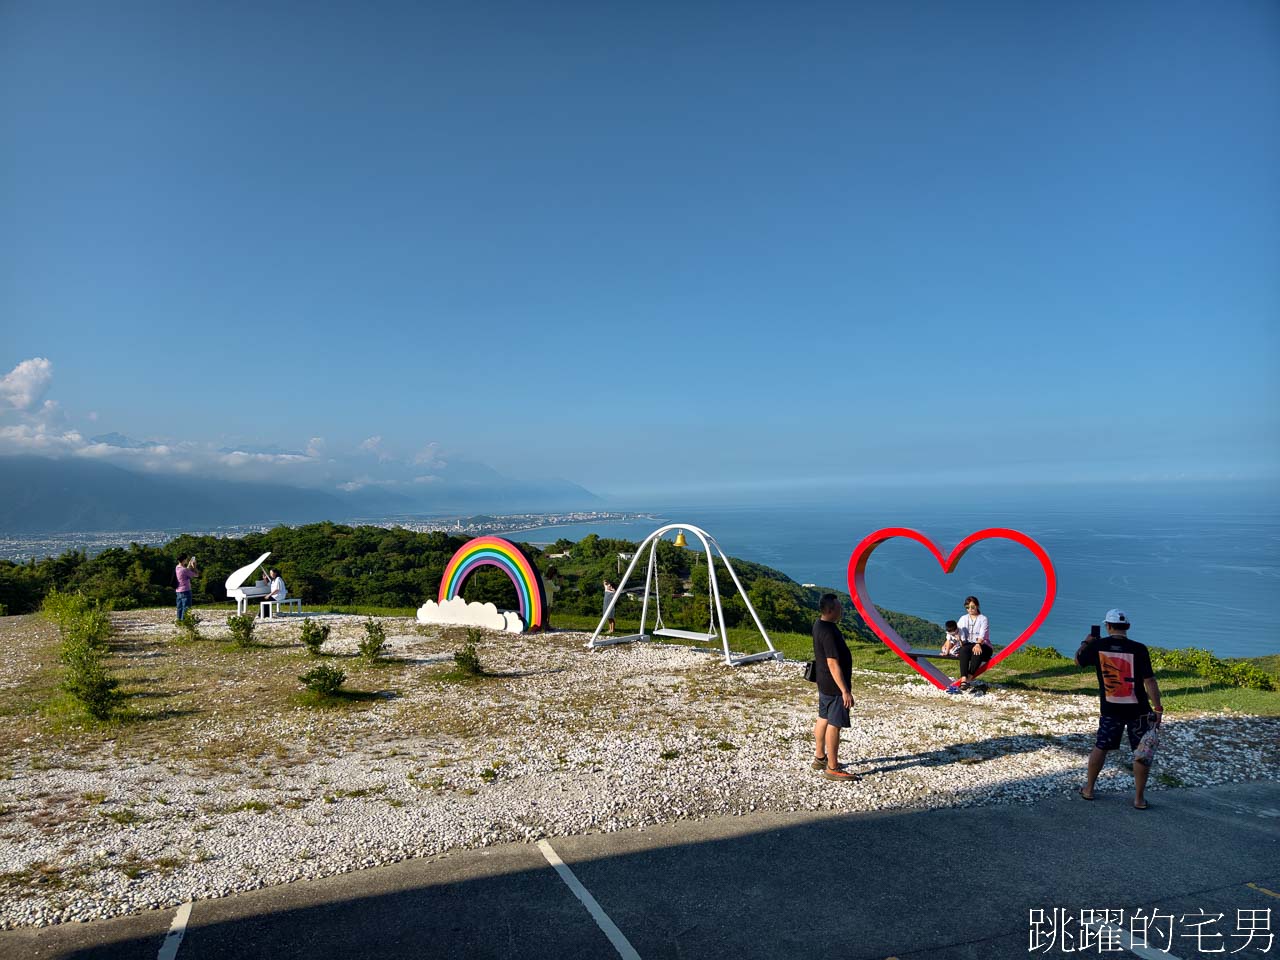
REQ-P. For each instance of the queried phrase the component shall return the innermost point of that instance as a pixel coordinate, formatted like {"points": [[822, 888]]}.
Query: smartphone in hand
{"points": [[1095, 632]]}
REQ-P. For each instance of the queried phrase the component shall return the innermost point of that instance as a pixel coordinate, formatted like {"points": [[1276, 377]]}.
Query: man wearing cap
{"points": [[1130, 698]]}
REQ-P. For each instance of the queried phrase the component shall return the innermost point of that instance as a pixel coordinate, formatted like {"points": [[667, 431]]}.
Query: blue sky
{"points": [[644, 247]]}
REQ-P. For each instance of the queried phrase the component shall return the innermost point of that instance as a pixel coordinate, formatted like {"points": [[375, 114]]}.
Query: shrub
{"points": [[85, 629], [314, 635], [189, 626], [89, 682], [242, 629], [467, 662], [63, 608], [1044, 653], [374, 639], [324, 679], [1228, 673]]}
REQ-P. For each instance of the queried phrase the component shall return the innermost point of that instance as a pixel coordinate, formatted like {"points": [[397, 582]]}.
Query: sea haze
{"points": [[1191, 569]]}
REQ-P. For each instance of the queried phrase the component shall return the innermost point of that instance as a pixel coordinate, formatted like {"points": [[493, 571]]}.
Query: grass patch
{"points": [[122, 817], [38, 874], [368, 611], [337, 700], [132, 867], [467, 667], [249, 806]]}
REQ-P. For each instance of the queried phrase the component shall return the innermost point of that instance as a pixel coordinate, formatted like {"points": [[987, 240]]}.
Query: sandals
{"points": [[1083, 797]]}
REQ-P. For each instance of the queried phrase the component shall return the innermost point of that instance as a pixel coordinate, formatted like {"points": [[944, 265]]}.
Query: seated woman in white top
{"points": [[975, 647], [278, 589]]}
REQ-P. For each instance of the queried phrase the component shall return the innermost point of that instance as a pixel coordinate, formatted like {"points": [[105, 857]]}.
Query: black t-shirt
{"points": [[828, 641], [1122, 664]]}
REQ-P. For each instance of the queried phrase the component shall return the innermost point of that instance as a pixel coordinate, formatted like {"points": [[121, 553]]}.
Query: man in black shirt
{"points": [[1130, 698], [834, 665]]}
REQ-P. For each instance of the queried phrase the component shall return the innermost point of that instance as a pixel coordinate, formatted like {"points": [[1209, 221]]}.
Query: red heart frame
{"points": [[858, 589]]}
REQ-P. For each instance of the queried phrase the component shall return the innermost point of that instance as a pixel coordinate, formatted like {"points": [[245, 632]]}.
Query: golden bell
{"points": [[680, 540]]}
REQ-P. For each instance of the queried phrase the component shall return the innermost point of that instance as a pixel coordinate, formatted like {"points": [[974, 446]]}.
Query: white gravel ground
{"points": [[571, 741]]}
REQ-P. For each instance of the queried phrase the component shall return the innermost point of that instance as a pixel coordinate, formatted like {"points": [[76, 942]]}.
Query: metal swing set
{"points": [[715, 613]]}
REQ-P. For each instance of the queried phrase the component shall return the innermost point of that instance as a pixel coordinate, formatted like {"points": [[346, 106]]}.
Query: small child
{"points": [[951, 645]]}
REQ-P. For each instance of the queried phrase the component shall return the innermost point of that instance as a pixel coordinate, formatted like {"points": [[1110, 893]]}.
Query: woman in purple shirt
{"points": [[184, 571]]}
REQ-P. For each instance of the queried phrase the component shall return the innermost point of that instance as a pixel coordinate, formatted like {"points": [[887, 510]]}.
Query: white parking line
{"points": [[1147, 953], [625, 950], [177, 929]]}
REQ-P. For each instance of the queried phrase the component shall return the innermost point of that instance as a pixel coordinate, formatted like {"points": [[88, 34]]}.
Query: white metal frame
{"points": [[651, 585]]}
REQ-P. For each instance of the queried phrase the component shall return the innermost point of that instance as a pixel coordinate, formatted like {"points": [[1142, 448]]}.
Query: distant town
{"points": [[94, 542]]}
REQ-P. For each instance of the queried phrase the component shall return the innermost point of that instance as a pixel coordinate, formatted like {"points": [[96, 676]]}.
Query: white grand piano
{"points": [[236, 590]]}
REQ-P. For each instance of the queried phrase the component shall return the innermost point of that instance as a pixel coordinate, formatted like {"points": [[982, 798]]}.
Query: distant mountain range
{"points": [[41, 495]]}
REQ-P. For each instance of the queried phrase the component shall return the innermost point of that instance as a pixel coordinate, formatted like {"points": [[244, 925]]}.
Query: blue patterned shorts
{"points": [[1110, 729]]}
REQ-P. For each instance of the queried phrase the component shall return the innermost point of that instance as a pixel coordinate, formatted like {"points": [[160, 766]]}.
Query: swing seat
{"points": [[609, 640], [684, 634]]}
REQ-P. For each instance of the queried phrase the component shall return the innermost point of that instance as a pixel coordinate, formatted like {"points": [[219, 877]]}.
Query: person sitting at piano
{"points": [[278, 589]]}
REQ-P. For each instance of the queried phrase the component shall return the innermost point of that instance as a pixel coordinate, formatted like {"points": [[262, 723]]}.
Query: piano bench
{"points": [[266, 605]]}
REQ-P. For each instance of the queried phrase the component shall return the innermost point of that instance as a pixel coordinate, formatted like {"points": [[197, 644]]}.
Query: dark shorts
{"points": [[833, 710], [1110, 729]]}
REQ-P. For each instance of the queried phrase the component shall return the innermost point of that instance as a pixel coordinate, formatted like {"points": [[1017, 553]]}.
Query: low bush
{"points": [[241, 627], [375, 638], [85, 629], [78, 618], [1043, 653], [88, 680], [467, 662], [189, 626], [1227, 673], [314, 636], [323, 679]]}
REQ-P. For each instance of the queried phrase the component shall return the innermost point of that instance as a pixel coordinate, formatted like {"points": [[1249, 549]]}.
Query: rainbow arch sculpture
{"points": [[511, 560]]}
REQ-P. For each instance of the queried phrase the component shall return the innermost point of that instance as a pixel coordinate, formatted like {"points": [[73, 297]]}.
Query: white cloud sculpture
{"points": [[457, 612]]}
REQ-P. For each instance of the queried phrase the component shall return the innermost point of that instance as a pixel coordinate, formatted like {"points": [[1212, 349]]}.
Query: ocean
{"points": [[1189, 568]]}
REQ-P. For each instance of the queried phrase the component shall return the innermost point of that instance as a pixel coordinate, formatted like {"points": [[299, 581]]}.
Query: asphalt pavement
{"points": [[946, 884]]}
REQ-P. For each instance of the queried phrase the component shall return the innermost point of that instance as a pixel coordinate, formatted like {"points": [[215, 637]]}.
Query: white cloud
{"points": [[241, 458], [108, 451], [459, 612], [429, 457], [24, 386], [35, 438], [51, 416], [315, 447]]}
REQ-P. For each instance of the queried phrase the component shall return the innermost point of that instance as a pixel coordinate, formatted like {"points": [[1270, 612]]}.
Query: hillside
{"points": [[334, 564], [42, 495]]}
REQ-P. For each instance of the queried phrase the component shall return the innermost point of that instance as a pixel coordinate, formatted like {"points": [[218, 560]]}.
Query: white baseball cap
{"points": [[1116, 618]]}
